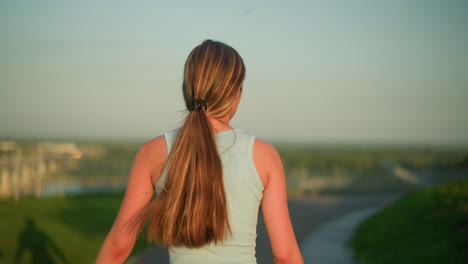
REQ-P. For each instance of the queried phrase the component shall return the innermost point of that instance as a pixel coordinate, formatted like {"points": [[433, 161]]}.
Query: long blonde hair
{"points": [[191, 209]]}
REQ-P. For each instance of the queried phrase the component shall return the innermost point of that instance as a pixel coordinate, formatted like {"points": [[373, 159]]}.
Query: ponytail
{"points": [[191, 210]]}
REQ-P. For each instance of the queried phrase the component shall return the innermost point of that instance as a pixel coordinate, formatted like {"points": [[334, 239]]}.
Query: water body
{"points": [[58, 189]]}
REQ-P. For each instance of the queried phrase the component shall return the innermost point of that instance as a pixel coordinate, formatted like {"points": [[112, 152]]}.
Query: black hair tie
{"points": [[196, 105]]}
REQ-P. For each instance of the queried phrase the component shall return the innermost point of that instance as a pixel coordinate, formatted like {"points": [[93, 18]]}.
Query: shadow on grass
{"points": [[93, 215], [40, 245]]}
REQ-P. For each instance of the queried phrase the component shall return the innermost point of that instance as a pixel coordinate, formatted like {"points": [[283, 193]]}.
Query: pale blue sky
{"points": [[317, 71]]}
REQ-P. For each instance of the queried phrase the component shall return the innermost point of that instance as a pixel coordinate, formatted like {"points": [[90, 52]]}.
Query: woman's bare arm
{"points": [[275, 206], [121, 239]]}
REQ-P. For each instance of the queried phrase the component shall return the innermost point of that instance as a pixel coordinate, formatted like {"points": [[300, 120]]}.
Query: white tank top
{"points": [[244, 191]]}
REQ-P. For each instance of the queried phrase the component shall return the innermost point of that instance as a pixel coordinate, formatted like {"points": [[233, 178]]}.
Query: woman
{"points": [[211, 178]]}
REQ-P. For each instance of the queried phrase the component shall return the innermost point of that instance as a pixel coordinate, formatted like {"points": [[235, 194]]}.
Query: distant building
{"points": [[59, 148], [8, 145]]}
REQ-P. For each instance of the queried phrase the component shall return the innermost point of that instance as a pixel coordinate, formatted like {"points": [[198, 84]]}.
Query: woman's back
{"points": [[214, 179], [244, 191]]}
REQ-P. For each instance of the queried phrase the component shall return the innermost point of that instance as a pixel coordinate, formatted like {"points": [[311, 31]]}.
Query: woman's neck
{"points": [[220, 124]]}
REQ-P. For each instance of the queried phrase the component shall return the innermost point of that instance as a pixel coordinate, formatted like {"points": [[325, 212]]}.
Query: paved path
{"points": [[311, 217], [328, 243]]}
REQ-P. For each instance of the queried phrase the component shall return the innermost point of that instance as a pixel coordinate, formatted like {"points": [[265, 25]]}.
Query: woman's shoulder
{"points": [[154, 154], [155, 149], [266, 159], [156, 142], [264, 148], [160, 142]]}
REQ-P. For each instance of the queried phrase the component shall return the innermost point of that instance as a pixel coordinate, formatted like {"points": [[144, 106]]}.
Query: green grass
{"points": [[76, 225], [427, 226]]}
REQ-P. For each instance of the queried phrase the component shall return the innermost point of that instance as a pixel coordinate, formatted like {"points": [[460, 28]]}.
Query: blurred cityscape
{"points": [[49, 168]]}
